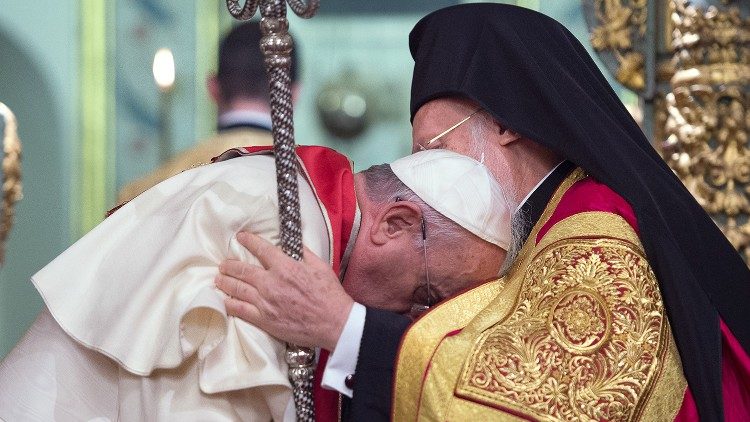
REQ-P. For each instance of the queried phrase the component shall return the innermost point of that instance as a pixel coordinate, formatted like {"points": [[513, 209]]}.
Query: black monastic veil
{"points": [[535, 77]]}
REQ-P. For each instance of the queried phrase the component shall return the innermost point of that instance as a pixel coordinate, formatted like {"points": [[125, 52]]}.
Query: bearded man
{"points": [[625, 301], [134, 328]]}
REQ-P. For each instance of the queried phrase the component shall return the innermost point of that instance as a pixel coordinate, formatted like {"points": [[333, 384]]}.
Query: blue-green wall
{"points": [[38, 70]]}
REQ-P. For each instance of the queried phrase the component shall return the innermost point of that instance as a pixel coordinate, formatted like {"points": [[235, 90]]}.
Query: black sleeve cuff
{"points": [[373, 377]]}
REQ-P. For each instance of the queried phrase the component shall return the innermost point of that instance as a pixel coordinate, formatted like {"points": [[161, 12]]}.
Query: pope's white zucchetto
{"points": [[460, 188]]}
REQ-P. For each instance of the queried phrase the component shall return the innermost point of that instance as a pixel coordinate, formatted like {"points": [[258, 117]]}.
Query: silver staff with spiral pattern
{"points": [[277, 45]]}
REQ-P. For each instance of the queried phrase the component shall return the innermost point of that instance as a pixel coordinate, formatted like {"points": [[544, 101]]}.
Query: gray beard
{"points": [[518, 227], [519, 221]]}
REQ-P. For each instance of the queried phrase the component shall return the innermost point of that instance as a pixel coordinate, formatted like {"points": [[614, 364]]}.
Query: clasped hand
{"points": [[299, 302]]}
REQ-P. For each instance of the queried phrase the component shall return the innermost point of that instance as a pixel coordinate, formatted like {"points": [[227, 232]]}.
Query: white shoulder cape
{"points": [[139, 287]]}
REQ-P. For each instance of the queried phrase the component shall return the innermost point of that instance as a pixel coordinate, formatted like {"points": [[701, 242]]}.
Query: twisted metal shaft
{"points": [[277, 45]]}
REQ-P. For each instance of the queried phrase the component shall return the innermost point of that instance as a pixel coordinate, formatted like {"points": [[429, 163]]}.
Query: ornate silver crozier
{"points": [[277, 45]]}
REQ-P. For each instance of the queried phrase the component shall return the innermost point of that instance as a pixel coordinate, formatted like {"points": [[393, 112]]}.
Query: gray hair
{"points": [[383, 186]]}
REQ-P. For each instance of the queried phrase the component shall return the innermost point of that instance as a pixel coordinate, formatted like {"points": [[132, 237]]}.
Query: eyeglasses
{"points": [[421, 306], [449, 130], [418, 308], [426, 267]]}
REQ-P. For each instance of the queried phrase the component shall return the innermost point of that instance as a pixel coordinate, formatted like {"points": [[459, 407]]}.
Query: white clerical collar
{"points": [[238, 117], [528, 195]]}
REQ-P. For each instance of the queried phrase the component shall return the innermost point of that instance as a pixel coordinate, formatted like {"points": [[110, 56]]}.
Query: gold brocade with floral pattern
{"points": [[584, 341]]}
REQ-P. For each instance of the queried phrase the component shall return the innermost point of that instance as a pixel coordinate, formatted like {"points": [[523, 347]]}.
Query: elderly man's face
{"points": [[439, 115], [394, 278], [461, 126], [388, 267], [458, 265]]}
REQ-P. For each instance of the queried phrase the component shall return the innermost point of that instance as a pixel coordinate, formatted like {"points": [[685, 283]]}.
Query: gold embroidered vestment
{"points": [[575, 331]]}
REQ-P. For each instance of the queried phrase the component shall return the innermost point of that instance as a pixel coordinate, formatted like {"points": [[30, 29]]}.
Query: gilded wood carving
{"points": [[698, 115], [12, 192], [706, 119], [618, 32]]}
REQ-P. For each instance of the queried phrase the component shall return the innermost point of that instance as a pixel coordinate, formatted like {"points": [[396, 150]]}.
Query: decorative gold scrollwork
{"points": [[580, 321], [707, 120], [585, 341], [12, 191], [618, 25]]}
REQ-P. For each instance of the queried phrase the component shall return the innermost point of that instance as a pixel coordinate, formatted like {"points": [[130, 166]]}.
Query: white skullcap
{"points": [[460, 188]]}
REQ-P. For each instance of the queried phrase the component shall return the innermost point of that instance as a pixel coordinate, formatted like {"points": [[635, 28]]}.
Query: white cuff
{"points": [[343, 361]]}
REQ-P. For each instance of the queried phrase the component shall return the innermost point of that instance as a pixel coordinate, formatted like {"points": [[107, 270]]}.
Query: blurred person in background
{"points": [[240, 91]]}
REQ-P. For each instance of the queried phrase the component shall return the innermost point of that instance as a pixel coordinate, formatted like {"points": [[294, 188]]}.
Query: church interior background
{"points": [[78, 76]]}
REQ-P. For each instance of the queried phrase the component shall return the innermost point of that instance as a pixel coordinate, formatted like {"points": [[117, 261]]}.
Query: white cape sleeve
{"points": [[139, 287]]}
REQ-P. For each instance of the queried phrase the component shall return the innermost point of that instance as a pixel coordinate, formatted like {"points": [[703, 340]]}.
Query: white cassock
{"points": [[134, 329]]}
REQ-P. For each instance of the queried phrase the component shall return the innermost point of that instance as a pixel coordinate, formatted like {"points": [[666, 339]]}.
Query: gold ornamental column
{"points": [[705, 116], [11, 166], [689, 62]]}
